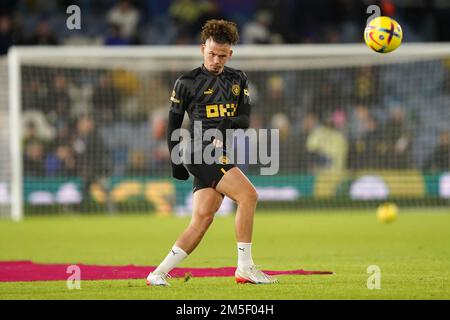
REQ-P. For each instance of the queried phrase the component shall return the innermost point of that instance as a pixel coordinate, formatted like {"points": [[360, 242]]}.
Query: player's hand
{"points": [[179, 172]]}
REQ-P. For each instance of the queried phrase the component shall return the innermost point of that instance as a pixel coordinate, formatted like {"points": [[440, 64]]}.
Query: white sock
{"points": [[175, 256], [244, 255]]}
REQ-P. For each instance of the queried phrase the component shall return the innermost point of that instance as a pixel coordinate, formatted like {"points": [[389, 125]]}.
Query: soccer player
{"points": [[217, 96]]}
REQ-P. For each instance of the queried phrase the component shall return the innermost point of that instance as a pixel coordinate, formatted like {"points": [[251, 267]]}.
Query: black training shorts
{"points": [[209, 175]]}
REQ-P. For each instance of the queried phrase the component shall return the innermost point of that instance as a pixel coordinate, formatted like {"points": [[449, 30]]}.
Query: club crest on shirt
{"points": [[236, 89]]}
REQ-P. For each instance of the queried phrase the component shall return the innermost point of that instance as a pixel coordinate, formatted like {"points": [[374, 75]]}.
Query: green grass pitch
{"points": [[413, 254]]}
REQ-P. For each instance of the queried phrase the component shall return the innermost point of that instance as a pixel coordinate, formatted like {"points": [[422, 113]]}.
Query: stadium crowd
{"points": [[127, 22], [113, 122], [103, 122]]}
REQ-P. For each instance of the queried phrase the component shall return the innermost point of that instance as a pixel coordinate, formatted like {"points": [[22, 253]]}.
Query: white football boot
{"points": [[253, 275], [158, 279]]}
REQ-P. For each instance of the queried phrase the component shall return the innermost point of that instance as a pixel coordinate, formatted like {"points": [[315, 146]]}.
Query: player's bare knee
{"points": [[255, 194], [204, 217], [249, 196]]}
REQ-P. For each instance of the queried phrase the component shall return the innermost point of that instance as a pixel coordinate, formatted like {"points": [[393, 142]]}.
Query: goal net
{"points": [[355, 128]]}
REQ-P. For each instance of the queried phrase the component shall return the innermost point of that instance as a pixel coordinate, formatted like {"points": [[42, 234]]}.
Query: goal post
{"points": [[125, 90], [15, 109]]}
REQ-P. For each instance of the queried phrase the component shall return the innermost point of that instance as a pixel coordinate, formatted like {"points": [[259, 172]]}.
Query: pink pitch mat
{"points": [[11, 271]]}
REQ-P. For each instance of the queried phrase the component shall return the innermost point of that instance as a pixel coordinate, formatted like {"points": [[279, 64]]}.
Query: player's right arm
{"points": [[180, 100]]}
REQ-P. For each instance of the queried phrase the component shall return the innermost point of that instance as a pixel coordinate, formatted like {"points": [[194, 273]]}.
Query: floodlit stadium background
{"points": [[355, 130]]}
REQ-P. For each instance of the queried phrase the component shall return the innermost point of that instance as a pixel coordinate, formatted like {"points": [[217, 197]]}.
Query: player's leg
{"points": [[206, 203], [235, 185]]}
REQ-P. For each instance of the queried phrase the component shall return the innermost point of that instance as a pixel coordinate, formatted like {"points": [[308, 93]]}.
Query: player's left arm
{"points": [[242, 118]]}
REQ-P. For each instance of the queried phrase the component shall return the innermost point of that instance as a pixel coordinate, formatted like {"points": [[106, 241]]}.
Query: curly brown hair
{"points": [[220, 31]]}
